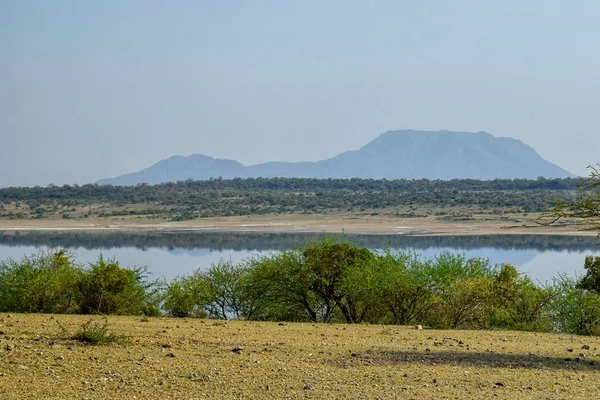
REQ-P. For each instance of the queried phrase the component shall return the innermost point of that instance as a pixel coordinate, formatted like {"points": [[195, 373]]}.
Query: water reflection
{"points": [[174, 253], [280, 241]]}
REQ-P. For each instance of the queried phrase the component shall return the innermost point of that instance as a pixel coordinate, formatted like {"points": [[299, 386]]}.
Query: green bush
{"points": [[41, 283], [187, 296], [463, 304], [107, 288], [96, 332], [591, 280], [280, 289], [519, 303], [221, 292], [308, 284], [228, 294], [461, 291], [326, 281], [575, 310], [394, 287], [328, 264]]}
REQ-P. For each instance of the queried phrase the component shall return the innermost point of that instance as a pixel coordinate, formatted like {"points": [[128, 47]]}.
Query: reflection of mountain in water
{"points": [[220, 241]]}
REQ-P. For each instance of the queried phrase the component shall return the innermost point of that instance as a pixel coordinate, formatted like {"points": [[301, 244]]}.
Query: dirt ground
{"points": [[314, 224], [195, 359]]}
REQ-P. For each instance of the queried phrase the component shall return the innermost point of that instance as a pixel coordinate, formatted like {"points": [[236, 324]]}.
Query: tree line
{"points": [[328, 281], [219, 197]]}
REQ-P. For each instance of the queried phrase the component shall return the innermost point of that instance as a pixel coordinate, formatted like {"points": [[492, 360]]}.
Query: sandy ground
{"points": [[311, 224], [194, 359]]}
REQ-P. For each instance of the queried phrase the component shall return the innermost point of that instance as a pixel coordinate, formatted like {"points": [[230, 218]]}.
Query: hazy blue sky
{"points": [[94, 89]]}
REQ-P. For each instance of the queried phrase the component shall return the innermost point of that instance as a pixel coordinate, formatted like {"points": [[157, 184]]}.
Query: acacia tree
{"points": [[280, 286], [310, 284], [577, 308], [586, 207], [227, 290], [328, 264]]}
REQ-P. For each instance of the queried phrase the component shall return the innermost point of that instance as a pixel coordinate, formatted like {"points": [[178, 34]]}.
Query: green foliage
{"points": [[187, 296], [227, 291], [585, 207], [448, 268], [154, 293], [591, 280], [45, 283], [195, 199], [50, 282], [327, 264], [464, 304], [221, 292], [279, 285], [327, 281], [96, 332], [309, 284], [462, 291], [396, 287], [577, 307], [575, 310], [519, 303], [107, 288]]}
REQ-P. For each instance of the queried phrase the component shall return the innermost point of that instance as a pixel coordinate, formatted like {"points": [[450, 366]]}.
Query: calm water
{"points": [[170, 254]]}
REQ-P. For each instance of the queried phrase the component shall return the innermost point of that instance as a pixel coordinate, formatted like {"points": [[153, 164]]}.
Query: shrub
{"points": [[325, 282], [591, 280], [187, 296], [519, 303], [575, 310], [45, 283], [328, 264], [393, 286], [280, 289], [461, 291], [106, 288], [153, 299], [96, 332], [228, 293], [464, 303]]}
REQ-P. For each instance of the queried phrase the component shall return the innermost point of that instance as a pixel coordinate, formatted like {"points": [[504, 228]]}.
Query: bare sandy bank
{"points": [[309, 224]]}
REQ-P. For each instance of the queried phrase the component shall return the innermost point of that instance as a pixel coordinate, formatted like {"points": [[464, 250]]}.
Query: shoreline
{"points": [[300, 224]]}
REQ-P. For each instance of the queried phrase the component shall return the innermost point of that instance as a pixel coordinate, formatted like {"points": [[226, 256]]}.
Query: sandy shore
{"points": [[308, 224]]}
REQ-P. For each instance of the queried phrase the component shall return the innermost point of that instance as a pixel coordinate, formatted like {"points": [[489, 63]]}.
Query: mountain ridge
{"points": [[404, 154]]}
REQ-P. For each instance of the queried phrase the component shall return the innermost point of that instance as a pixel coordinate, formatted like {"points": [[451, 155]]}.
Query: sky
{"points": [[96, 89]]}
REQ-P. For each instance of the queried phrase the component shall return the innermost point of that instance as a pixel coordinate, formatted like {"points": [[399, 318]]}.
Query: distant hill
{"points": [[179, 168], [393, 155]]}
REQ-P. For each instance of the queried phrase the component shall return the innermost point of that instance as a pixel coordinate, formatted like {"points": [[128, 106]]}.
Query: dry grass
{"points": [[193, 359]]}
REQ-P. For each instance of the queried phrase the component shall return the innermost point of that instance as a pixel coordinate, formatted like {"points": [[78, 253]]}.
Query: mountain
{"points": [[177, 168], [393, 155]]}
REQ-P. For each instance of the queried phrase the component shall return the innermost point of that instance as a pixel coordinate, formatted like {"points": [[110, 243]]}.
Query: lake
{"points": [[171, 253]]}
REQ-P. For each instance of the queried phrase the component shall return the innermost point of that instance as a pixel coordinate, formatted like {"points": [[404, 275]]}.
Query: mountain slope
{"points": [[177, 168], [393, 155]]}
